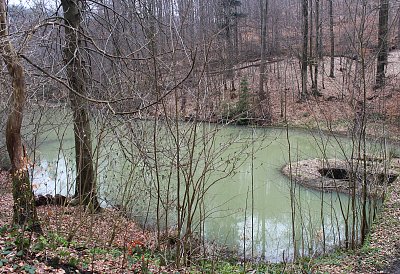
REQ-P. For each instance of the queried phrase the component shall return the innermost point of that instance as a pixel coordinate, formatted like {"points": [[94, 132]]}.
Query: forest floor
{"points": [[75, 242]]}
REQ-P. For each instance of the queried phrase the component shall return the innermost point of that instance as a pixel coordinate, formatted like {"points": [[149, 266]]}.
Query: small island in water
{"points": [[345, 176]]}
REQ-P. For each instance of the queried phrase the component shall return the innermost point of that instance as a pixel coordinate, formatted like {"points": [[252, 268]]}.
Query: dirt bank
{"points": [[344, 176]]}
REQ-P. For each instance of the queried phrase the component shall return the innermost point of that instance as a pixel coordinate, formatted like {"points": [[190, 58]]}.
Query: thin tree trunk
{"points": [[383, 43], [236, 37], [24, 210], [321, 46], [304, 57], [229, 57], [317, 46], [263, 97], [361, 150], [311, 46], [85, 189], [332, 40], [398, 28]]}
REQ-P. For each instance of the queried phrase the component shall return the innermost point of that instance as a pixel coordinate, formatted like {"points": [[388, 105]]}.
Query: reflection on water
{"points": [[249, 198]]}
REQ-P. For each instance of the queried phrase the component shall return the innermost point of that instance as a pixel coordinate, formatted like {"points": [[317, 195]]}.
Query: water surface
{"points": [[247, 204]]}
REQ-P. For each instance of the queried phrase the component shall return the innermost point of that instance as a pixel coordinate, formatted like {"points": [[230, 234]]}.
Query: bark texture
{"points": [[24, 210], [85, 189]]}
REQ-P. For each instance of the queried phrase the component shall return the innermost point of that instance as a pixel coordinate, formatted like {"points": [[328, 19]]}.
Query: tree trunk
{"points": [[332, 38], [85, 189], [184, 10], [24, 211], [227, 13], [311, 59], [263, 97], [236, 37], [398, 28], [229, 56], [382, 43], [318, 46], [304, 57]]}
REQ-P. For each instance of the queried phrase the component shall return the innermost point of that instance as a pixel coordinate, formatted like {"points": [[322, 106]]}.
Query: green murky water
{"points": [[247, 201]]}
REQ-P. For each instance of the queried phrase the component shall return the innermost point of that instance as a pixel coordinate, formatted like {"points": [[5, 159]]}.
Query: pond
{"points": [[247, 202]]}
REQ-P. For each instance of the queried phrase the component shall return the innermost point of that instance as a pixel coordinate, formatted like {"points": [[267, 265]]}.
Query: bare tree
{"points": [[382, 43], [332, 40], [24, 205], [264, 98], [85, 189], [228, 21], [318, 46], [304, 56], [398, 27]]}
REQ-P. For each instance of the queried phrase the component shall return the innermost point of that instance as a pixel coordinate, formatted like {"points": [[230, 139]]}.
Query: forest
{"points": [[199, 136]]}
